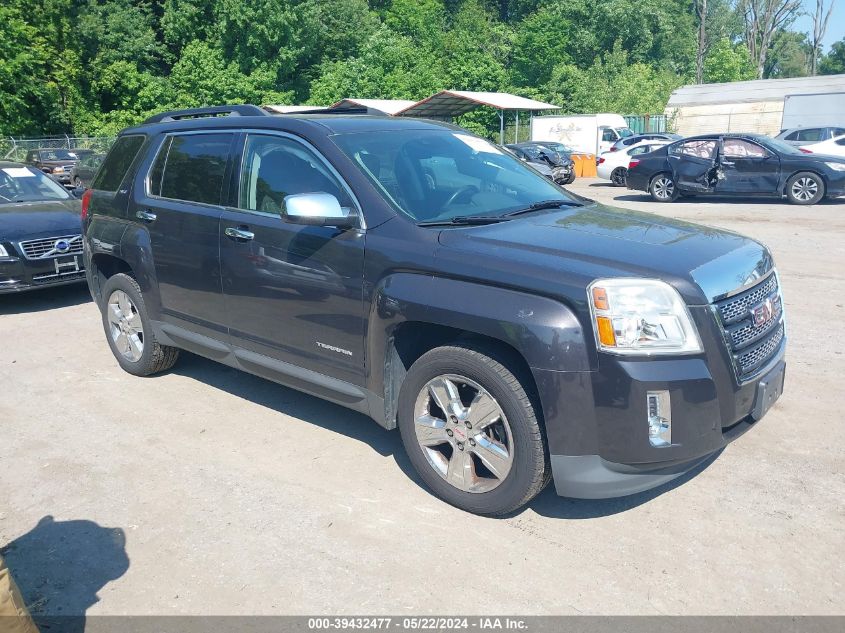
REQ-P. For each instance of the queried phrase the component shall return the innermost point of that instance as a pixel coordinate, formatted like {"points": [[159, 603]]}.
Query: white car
{"points": [[613, 166], [831, 147]]}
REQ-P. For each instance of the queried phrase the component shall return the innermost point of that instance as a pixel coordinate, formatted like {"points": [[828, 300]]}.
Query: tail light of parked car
{"points": [[599, 160], [633, 163], [806, 151], [86, 201], [613, 148]]}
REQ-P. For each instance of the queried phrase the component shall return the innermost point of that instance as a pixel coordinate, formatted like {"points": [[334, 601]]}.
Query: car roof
{"points": [[11, 163], [325, 124]]}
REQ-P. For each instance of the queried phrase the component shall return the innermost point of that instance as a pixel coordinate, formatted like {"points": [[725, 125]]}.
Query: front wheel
{"points": [[471, 431], [619, 176], [571, 178], [662, 188], [805, 188], [77, 183]]}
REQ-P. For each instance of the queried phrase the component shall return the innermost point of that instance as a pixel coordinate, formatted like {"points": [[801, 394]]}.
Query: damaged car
{"points": [[737, 165]]}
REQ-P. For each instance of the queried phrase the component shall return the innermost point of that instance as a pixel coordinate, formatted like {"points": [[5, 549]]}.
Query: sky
{"points": [[835, 28]]}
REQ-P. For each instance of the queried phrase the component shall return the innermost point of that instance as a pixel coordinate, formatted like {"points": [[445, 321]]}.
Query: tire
{"points": [[77, 182], [805, 188], [619, 177], [125, 332], [507, 437], [662, 188], [571, 178]]}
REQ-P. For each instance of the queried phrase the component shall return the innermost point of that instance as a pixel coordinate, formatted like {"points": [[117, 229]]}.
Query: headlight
{"points": [[58, 170], [836, 166], [641, 316], [3, 252]]}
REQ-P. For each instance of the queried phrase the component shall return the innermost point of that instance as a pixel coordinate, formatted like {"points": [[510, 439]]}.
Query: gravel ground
{"points": [[209, 491]]}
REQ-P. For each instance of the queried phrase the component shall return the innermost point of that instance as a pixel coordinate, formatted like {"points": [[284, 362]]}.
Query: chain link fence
{"points": [[12, 148]]}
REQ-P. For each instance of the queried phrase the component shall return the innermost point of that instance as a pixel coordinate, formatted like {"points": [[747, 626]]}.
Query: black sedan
{"points": [[40, 231], [737, 165], [563, 169]]}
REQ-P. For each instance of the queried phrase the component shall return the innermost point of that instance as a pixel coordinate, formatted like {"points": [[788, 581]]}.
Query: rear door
{"points": [[180, 204], [747, 167], [693, 164], [293, 293]]}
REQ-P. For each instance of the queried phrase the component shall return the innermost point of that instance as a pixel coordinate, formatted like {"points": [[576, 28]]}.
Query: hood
{"points": [[572, 247], [30, 220]]}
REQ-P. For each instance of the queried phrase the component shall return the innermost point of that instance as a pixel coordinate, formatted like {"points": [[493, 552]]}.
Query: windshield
{"points": [[57, 154], [624, 132], [23, 184], [443, 174], [780, 146]]}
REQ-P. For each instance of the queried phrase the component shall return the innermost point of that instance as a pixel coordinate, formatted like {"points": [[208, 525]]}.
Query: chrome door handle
{"points": [[728, 162], [239, 234], [146, 216]]}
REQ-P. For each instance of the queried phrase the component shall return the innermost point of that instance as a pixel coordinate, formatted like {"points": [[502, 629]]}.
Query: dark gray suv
{"points": [[407, 269]]}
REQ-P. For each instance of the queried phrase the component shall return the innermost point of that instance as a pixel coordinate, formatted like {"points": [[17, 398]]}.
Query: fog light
{"points": [[659, 418]]}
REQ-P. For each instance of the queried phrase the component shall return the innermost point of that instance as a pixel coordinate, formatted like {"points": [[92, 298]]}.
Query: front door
{"points": [[181, 209], [747, 168], [693, 165], [293, 293]]}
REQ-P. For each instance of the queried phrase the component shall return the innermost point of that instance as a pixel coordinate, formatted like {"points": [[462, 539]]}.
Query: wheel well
{"points": [[657, 175], [803, 171], [104, 266], [412, 339]]}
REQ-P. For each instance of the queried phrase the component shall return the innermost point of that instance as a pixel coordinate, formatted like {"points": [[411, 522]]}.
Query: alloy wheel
{"points": [[125, 327], [619, 176], [463, 433], [664, 188], [805, 188]]}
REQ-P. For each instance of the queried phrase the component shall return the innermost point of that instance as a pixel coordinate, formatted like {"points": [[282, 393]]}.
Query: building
{"points": [[741, 106]]}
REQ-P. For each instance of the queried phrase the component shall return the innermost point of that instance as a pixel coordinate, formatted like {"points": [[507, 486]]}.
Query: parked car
{"points": [[807, 136], [82, 172], [832, 147], [513, 332], [40, 231], [564, 153], [737, 165], [56, 162], [636, 139], [560, 169], [613, 166]]}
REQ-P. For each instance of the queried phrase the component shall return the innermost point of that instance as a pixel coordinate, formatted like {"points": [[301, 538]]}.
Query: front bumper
{"points": [[18, 274], [597, 421]]}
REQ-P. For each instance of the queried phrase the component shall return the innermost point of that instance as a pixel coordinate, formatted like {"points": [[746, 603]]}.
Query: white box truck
{"points": [[813, 110], [584, 133]]}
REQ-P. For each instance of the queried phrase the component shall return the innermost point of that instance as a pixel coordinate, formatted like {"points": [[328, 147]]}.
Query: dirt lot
{"points": [[210, 491]]}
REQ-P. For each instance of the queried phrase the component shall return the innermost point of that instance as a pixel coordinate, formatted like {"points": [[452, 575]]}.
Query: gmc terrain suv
{"points": [[419, 274]]}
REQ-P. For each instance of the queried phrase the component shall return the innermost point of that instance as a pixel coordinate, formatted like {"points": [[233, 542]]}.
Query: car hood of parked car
{"points": [[19, 220], [595, 241]]}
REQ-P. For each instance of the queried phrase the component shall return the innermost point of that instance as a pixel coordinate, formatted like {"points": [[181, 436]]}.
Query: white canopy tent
{"points": [[447, 104]]}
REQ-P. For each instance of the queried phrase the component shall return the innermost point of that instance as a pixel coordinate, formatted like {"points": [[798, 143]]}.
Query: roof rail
{"points": [[194, 113]]}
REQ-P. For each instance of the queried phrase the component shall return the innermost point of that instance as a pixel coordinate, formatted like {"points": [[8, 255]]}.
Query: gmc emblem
{"points": [[764, 312]]}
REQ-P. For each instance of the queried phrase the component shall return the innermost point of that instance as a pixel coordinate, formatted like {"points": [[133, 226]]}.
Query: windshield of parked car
{"points": [[624, 132], [433, 175], [560, 148], [23, 184], [57, 154]]}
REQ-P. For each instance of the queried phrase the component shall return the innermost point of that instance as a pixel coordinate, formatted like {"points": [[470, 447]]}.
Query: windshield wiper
{"points": [[544, 204], [466, 220]]}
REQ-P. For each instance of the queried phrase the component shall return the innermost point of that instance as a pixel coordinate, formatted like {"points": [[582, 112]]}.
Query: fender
{"points": [[545, 332], [137, 252], [102, 236]]}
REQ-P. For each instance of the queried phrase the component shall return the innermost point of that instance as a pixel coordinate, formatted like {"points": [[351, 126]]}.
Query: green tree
{"points": [[541, 41], [727, 62], [834, 62]]}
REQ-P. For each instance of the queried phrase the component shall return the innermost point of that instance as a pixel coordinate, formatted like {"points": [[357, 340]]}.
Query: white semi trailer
{"points": [[813, 110], [584, 133]]}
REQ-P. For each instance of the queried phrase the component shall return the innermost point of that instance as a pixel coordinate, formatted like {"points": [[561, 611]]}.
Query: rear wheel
{"points": [[471, 431], [662, 188], [805, 188], [77, 182], [129, 330], [619, 176]]}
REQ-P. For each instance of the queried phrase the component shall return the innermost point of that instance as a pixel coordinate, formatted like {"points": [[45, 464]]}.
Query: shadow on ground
{"points": [[59, 566], [359, 427], [720, 200], [44, 299]]}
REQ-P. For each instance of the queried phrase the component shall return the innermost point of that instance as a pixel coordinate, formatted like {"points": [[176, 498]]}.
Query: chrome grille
{"points": [[752, 345], [52, 247]]}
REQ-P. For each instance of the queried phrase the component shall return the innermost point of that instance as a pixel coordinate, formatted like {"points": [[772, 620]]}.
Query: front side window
{"points": [[739, 148], [275, 167], [24, 184], [191, 167], [436, 174], [117, 162]]}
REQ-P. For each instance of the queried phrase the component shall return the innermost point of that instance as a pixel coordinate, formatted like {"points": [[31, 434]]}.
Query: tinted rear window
{"points": [[117, 162], [191, 167]]}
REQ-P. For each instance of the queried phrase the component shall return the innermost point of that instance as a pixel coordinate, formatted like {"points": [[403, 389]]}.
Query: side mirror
{"points": [[316, 209]]}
